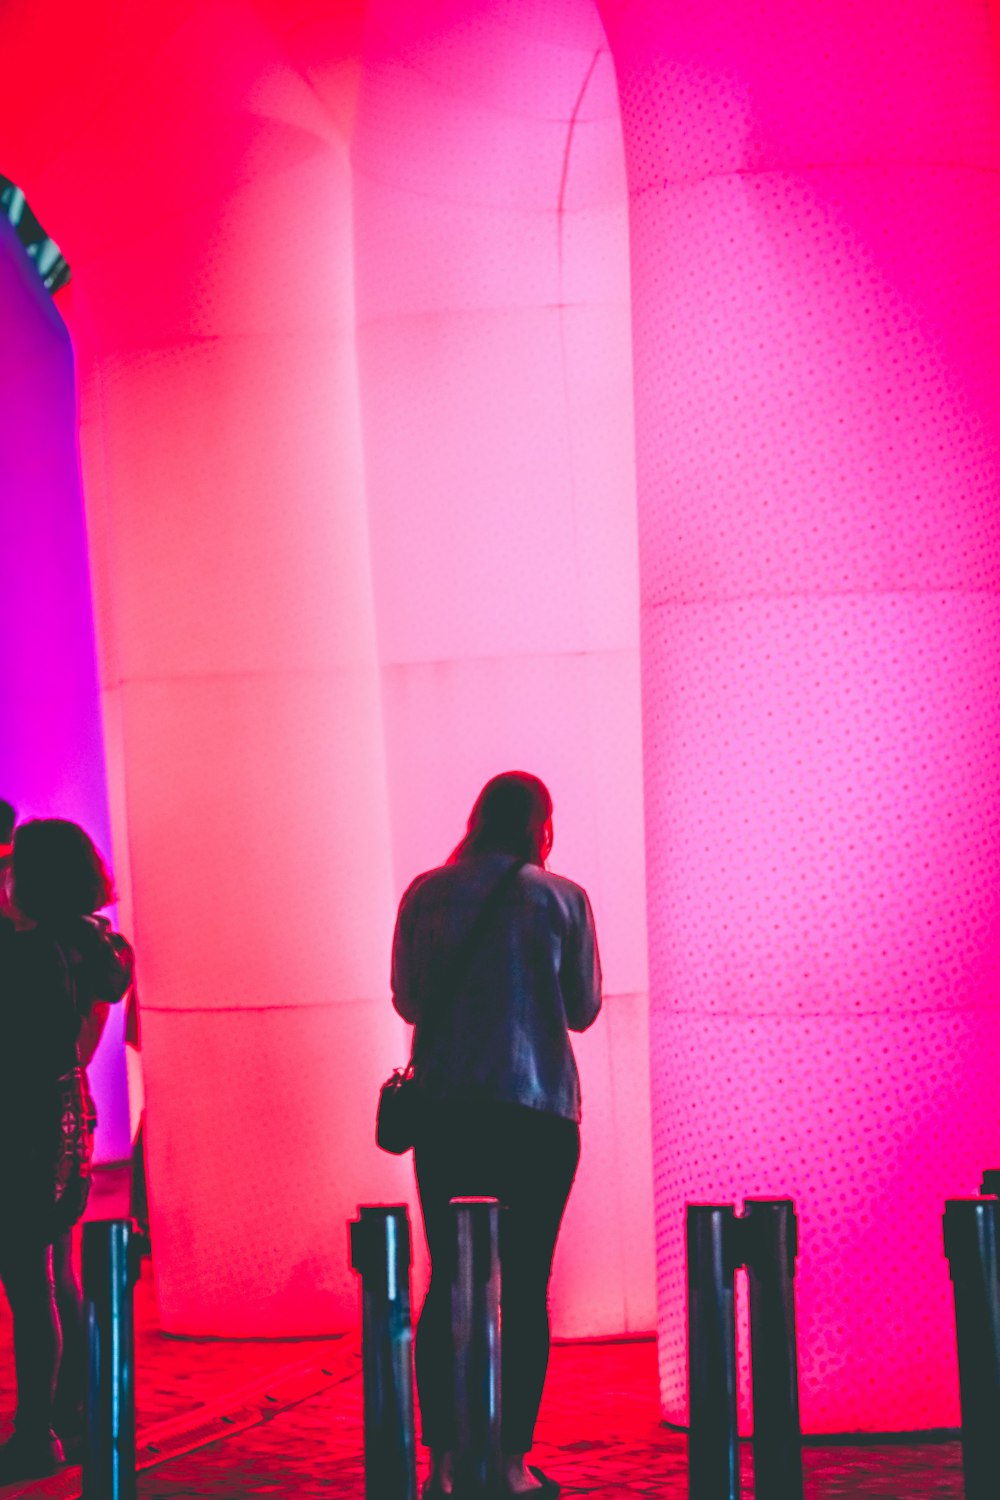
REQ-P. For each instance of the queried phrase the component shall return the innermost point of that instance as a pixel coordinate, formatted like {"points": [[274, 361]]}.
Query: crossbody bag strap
{"points": [[460, 963]]}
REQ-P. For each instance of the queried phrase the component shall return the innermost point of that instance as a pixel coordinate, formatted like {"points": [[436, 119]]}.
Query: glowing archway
{"points": [[248, 707]]}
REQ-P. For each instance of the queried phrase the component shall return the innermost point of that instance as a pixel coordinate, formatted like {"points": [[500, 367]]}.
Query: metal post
{"points": [[110, 1267], [713, 1451], [990, 1187], [971, 1240], [475, 1331], [771, 1244], [380, 1253]]}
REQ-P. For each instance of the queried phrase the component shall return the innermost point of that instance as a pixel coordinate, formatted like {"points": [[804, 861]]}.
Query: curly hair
{"points": [[57, 871]]}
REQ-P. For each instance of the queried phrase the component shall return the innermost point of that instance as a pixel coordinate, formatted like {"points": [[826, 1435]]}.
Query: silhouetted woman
{"points": [[501, 1084], [60, 966]]}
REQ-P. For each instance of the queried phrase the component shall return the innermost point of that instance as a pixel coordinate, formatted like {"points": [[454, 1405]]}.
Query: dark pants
{"points": [[26, 1273], [528, 1160], [67, 1406], [49, 1340]]}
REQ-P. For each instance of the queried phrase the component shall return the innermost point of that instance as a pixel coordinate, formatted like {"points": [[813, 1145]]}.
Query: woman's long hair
{"points": [[57, 872], [511, 815]]}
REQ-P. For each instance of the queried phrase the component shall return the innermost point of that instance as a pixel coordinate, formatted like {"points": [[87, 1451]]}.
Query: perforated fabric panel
{"points": [[815, 221], [493, 340]]}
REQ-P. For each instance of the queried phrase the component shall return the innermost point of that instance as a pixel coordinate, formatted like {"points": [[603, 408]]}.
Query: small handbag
{"points": [[398, 1116], [400, 1099]]}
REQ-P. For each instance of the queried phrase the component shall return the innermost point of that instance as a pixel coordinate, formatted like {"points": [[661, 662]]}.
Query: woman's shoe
{"points": [[29, 1458], [550, 1488]]}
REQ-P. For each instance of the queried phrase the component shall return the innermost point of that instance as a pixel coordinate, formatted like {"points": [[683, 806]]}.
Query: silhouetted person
{"points": [[59, 965], [68, 1404], [502, 1110]]}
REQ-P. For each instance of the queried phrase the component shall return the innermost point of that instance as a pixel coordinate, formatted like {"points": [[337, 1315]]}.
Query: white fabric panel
{"points": [[264, 1167], [494, 351], [222, 463], [230, 518]]}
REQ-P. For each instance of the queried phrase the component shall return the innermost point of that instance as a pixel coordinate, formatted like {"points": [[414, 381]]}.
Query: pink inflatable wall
{"points": [[354, 375], [815, 223], [327, 609], [213, 317], [493, 340]]}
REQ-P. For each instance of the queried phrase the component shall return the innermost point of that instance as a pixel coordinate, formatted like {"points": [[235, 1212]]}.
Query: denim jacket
{"points": [[534, 976]]}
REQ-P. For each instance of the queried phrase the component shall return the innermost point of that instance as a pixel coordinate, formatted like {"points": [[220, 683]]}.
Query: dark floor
{"points": [[230, 1420]]}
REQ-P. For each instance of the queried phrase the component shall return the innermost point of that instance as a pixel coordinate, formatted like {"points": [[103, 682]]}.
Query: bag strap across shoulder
{"points": [[463, 957]]}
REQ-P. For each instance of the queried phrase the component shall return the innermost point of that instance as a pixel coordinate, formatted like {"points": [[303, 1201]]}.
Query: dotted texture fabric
{"points": [[815, 223]]}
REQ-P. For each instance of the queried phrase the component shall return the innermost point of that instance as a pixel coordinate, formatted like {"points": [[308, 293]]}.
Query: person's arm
{"points": [[91, 1031], [580, 971], [404, 996], [108, 961]]}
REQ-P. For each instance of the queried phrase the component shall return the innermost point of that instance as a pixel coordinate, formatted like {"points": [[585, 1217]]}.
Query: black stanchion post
{"points": [[380, 1253], [971, 1241], [770, 1246], [110, 1267], [713, 1450], [475, 1330], [990, 1187]]}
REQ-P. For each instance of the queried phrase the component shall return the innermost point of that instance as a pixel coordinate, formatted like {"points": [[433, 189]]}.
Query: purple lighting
{"points": [[51, 748]]}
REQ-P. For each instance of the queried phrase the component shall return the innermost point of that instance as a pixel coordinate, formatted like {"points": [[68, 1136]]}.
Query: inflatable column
{"points": [[212, 310], [815, 225], [493, 341]]}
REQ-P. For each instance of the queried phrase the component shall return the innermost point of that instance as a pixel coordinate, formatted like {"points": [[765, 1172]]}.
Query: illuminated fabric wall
{"points": [[213, 311], [51, 755], [312, 590], [493, 338], [815, 227], [213, 317]]}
